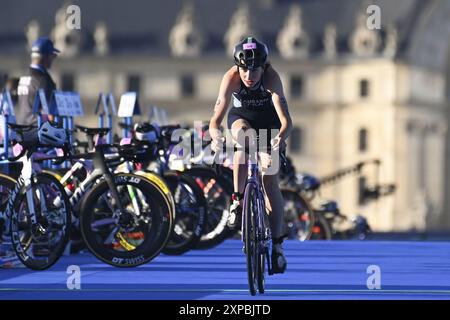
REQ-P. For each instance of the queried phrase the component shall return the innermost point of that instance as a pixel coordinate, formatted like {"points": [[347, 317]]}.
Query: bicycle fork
{"points": [[99, 162], [23, 180]]}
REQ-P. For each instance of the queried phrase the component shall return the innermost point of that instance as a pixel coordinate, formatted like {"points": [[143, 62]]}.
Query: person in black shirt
{"points": [[11, 85], [42, 55]]}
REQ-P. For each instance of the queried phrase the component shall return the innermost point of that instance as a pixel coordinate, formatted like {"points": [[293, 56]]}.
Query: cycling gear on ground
{"points": [[250, 53], [49, 135]]}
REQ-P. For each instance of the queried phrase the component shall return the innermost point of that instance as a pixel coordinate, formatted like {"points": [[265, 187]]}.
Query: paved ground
{"points": [[316, 270]]}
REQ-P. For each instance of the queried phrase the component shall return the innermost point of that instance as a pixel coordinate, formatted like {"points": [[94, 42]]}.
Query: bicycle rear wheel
{"points": [[250, 237], [41, 243]]}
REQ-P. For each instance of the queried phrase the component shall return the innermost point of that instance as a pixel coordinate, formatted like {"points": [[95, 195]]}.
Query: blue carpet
{"points": [[316, 270]]}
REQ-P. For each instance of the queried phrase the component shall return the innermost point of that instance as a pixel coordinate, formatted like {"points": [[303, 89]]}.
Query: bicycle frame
{"points": [[23, 180], [263, 233], [96, 169]]}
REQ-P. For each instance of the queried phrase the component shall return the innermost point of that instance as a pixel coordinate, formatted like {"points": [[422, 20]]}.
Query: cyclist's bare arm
{"points": [[230, 83], [274, 85]]}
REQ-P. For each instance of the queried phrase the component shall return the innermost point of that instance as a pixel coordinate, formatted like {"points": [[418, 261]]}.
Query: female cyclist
{"points": [[258, 104]]}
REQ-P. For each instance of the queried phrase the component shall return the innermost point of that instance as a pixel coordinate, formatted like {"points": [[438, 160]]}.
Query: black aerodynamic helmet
{"points": [[250, 53]]}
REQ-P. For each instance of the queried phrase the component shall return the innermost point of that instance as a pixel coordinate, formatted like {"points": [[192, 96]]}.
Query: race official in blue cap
{"points": [[43, 54]]}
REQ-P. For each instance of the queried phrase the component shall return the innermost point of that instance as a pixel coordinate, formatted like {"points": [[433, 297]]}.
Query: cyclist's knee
{"points": [[242, 134], [238, 127]]}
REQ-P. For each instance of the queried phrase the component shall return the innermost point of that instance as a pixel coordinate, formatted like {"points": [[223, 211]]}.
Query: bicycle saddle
{"points": [[124, 125], [93, 131], [21, 127], [330, 206]]}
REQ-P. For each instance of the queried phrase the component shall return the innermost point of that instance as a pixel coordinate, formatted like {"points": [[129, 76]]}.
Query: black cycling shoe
{"points": [[279, 263]]}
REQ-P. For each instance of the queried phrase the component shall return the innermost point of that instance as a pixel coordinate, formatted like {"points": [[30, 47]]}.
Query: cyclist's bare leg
{"points": [[273, 197], [275, 207], [238, 129]]}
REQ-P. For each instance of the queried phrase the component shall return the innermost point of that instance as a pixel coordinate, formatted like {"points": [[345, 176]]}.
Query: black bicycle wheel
{"points": [[131, 237], [299, 216], [40, 244], [250, 237], [7, 185], [191, 213], [261, 222], [217, 190]]}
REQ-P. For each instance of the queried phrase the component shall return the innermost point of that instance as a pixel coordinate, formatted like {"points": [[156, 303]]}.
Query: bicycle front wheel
{"points": [[7, 185], [39, 239], [131, 236], [250, 237]]}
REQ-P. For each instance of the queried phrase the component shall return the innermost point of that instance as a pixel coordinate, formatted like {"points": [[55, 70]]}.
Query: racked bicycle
{"points": [[37, 215]]}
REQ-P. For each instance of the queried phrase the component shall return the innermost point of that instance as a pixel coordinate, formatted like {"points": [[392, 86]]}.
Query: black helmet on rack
{"points": [[146, 132], [250, 53]]}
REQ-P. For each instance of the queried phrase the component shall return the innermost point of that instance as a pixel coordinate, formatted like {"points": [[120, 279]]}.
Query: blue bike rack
{"points": [[65, 105], [40, 106], [7, 116], [106, 109]]}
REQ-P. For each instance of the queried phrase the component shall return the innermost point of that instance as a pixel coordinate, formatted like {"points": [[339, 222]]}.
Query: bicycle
{"points": [[125, 219], [256, 233], [37, 215], [299, 216], [190, 203]]}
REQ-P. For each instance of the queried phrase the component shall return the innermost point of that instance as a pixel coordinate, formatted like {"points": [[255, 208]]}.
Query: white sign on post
{"points": [[61, 104], [68, 104], [77, 107], [128, 103]]}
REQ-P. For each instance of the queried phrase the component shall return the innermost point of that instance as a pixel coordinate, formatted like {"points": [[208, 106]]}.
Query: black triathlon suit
{"points": [[256, 107]]}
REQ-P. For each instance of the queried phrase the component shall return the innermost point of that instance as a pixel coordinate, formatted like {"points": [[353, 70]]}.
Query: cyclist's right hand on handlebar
{"points": [[217, 144]]}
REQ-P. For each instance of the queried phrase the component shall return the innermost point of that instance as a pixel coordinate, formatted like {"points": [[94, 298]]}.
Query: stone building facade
{"points": [[355, 94]]}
